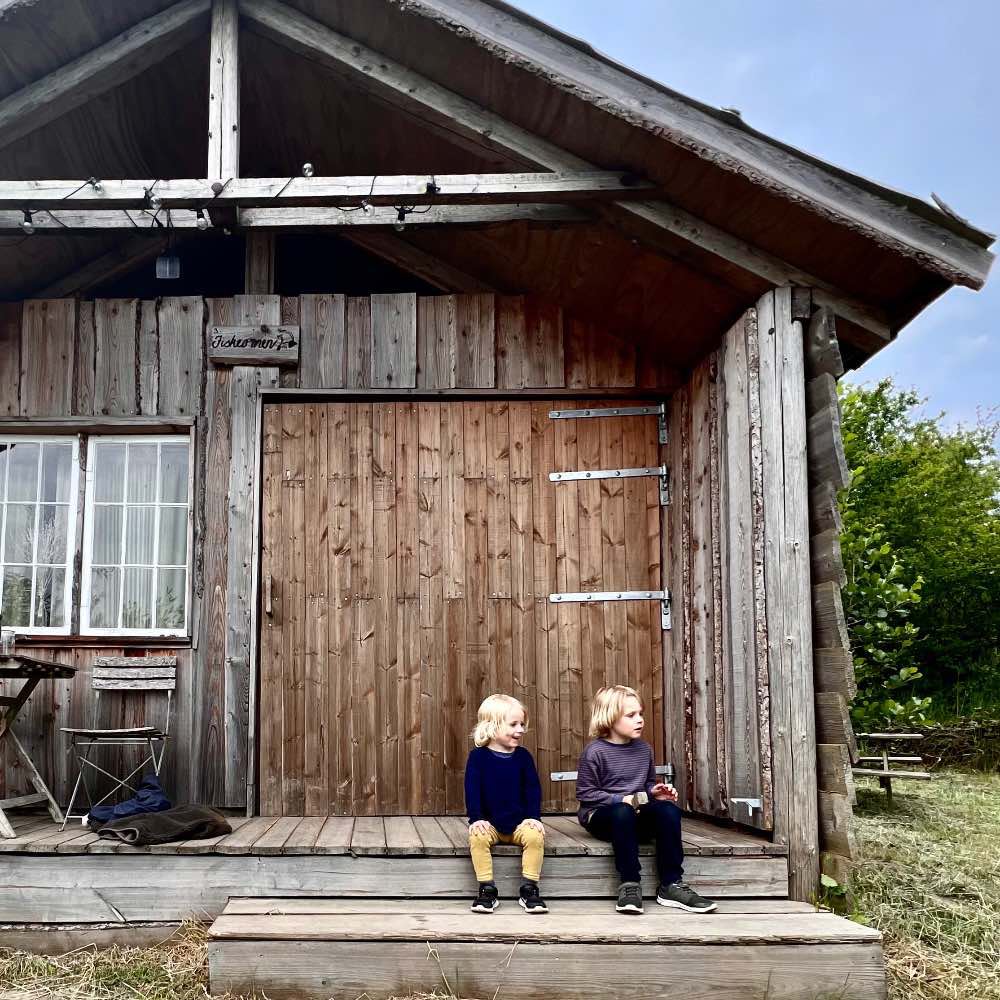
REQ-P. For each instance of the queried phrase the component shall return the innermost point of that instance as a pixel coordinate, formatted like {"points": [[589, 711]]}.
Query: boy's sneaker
{"points": [[531, 899], [487, 899], [681, 896], [629, 898]]}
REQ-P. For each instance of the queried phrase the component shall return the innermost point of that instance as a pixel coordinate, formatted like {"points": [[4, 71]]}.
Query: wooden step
{"points": [[305, 948]]}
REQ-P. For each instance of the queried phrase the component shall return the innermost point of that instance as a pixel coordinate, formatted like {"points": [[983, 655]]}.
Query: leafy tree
{"points": [[930, 494]]}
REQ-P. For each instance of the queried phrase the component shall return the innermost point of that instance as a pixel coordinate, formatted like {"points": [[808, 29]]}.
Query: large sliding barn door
{"points": [[409, 550]]}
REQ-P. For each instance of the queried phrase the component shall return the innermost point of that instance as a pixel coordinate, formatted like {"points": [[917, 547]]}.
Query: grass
{"points": [[930, 882]]}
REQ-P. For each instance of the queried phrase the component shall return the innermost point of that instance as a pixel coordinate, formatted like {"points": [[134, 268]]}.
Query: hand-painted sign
{"points": [[253, 345]]}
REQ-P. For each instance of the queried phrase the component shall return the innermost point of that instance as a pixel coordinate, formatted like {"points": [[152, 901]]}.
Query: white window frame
{"points": [[88, 535], [72, 505]]}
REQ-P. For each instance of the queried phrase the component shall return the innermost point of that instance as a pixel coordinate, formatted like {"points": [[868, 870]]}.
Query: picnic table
{"points": [[881, 743], [19, 667]]}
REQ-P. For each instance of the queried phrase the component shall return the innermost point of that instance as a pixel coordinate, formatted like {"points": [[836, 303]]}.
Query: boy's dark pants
{"points": [[625, 828]]}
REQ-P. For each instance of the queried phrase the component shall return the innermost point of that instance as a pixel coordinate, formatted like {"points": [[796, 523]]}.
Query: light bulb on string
{"points": [[27, 225], [400, 224], [203, 222], [308, 170], [96, 185]]}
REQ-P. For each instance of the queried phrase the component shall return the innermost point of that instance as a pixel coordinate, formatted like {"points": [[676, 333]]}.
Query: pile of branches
{"points": [[973, 743]]}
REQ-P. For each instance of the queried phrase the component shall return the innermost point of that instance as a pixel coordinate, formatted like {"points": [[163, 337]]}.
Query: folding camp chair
{"points": [[115, 673]]}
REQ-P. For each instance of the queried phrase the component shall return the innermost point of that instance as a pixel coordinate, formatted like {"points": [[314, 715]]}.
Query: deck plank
{"points": [[273, 841], [335, 837], [436, 842], [206, 845], [303, 838], [401, 836], [242, 840], [368, 836]]}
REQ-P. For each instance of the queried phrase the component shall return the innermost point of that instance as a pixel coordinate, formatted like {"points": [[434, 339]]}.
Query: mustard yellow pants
{"points": [[531, 842]]}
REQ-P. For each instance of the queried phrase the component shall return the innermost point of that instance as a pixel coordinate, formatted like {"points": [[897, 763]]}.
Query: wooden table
{"points": [[881, 743], [18, 667]]}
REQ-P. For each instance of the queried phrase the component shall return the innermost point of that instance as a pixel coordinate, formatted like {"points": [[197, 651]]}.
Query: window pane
{"points": [[140, 524], [171, 587], [57, 464], [50, 598], [174, 473], [19, 536], [17, 595], [173, 536], [109, 471], [141, 473], [104, 584], [4, 448], [107, 535], [23, 481], [53, 522], [137, 611]]}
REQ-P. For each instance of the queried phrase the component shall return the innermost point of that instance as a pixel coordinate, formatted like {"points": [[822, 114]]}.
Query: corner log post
{"points": [[835, 682]]}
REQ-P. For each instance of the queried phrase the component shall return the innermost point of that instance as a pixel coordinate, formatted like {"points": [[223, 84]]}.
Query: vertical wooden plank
{"points": [[522, 566], [116, 324], [323, 337], [475, 341], [476, 575], [10, 358], [293, 599], [359, 342], [613, 556], [181, 355], [797, 649], [546, 616], [702, 624], [272, 617], [316, 778], [341, 478], [682, 499], [568, 615], [363, 700], [224, 91], [291, 307], [718, 660], [48, 330], [384, 588], [149, 358], [498, 499], [260, 263], [86, 350], [436, 341], [673, 640], [430, 529], [655, 526], [511, 346], [394, 341], [544, 363], [591, 561]]}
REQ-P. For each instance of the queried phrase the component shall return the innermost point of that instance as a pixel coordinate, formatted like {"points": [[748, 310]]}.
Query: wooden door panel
{"points": [[411, 549]]}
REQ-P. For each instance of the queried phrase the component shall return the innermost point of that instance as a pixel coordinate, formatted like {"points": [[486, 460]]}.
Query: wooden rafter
{"points": [[264, 192], [224, 91], [652, 223], [289, 217], [98, 71]]}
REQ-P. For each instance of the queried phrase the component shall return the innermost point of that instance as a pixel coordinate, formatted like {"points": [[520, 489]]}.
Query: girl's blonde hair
{"points": [[609, 707], [493, 714]]}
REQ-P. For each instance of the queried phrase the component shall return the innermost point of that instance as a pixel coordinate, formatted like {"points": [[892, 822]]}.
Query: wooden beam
{"points": [[897, 222], [833, 722], [834, 668], [271, 192], [261, 263], [656, 224], [100, 70], [290, 217], [827, 459], [826, 562], [822, 346], [397, 251], [224, 91], [130, 254]]}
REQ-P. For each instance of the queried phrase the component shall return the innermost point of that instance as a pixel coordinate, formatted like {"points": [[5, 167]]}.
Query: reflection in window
{"points": [[137, 542]]}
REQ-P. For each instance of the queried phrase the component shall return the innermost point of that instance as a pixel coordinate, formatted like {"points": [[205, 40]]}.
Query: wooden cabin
{"points": [[490, 365]]}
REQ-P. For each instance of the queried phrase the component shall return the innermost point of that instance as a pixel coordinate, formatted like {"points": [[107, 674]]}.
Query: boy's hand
{"points": [[534, 824], [663, 792], [481, 828]]}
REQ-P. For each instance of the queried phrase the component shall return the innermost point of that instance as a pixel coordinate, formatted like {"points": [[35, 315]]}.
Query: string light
{"points": [[27, 225], [400, 224], [307, 170], [153, 201], [203, 222], [96, 185]]}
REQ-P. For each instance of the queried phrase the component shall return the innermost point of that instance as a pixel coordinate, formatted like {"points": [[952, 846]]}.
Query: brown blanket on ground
{"points": [[179, 823]]}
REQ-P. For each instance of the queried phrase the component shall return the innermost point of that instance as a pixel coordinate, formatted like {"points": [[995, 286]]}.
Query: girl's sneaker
{"points": [[629, 898], [682, 897], [487, 899], [531, 900]]}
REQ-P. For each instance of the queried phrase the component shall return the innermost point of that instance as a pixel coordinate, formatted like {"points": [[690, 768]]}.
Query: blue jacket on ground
{"points": [[502, 788]]}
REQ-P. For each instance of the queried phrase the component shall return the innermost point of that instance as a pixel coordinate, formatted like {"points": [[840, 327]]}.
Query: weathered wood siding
{"points": [[125, 357]]}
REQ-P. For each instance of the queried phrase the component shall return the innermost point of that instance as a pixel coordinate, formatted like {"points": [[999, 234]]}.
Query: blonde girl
{"points": [[503, 798], [622, 802]]}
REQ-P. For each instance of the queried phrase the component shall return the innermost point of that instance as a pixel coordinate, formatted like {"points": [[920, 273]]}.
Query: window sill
{"points": [[104, 641]]}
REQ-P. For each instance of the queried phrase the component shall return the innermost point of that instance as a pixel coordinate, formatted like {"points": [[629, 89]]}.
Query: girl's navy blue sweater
{"points": [[502, 788]]}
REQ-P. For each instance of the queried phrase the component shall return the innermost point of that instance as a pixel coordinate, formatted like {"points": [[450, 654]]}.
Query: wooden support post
{"points": [[224, 92], [261, 276]]}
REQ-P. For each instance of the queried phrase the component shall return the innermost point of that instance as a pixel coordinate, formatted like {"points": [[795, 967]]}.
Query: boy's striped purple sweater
{"points": [[607, 771]]}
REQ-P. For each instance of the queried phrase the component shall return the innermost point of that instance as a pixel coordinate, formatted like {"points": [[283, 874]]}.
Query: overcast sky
{"points": [[906, 92]]}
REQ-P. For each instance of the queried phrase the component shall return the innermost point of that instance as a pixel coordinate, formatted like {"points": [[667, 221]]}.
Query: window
{"points": [[137, 536], [38, 491]]}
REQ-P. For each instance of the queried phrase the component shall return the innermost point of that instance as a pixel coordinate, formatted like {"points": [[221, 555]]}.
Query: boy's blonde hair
{"points": [[609, 707], [493, 714]]}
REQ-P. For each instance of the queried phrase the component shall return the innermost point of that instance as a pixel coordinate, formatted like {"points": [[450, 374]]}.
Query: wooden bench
{"points": [[885, 773]]}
